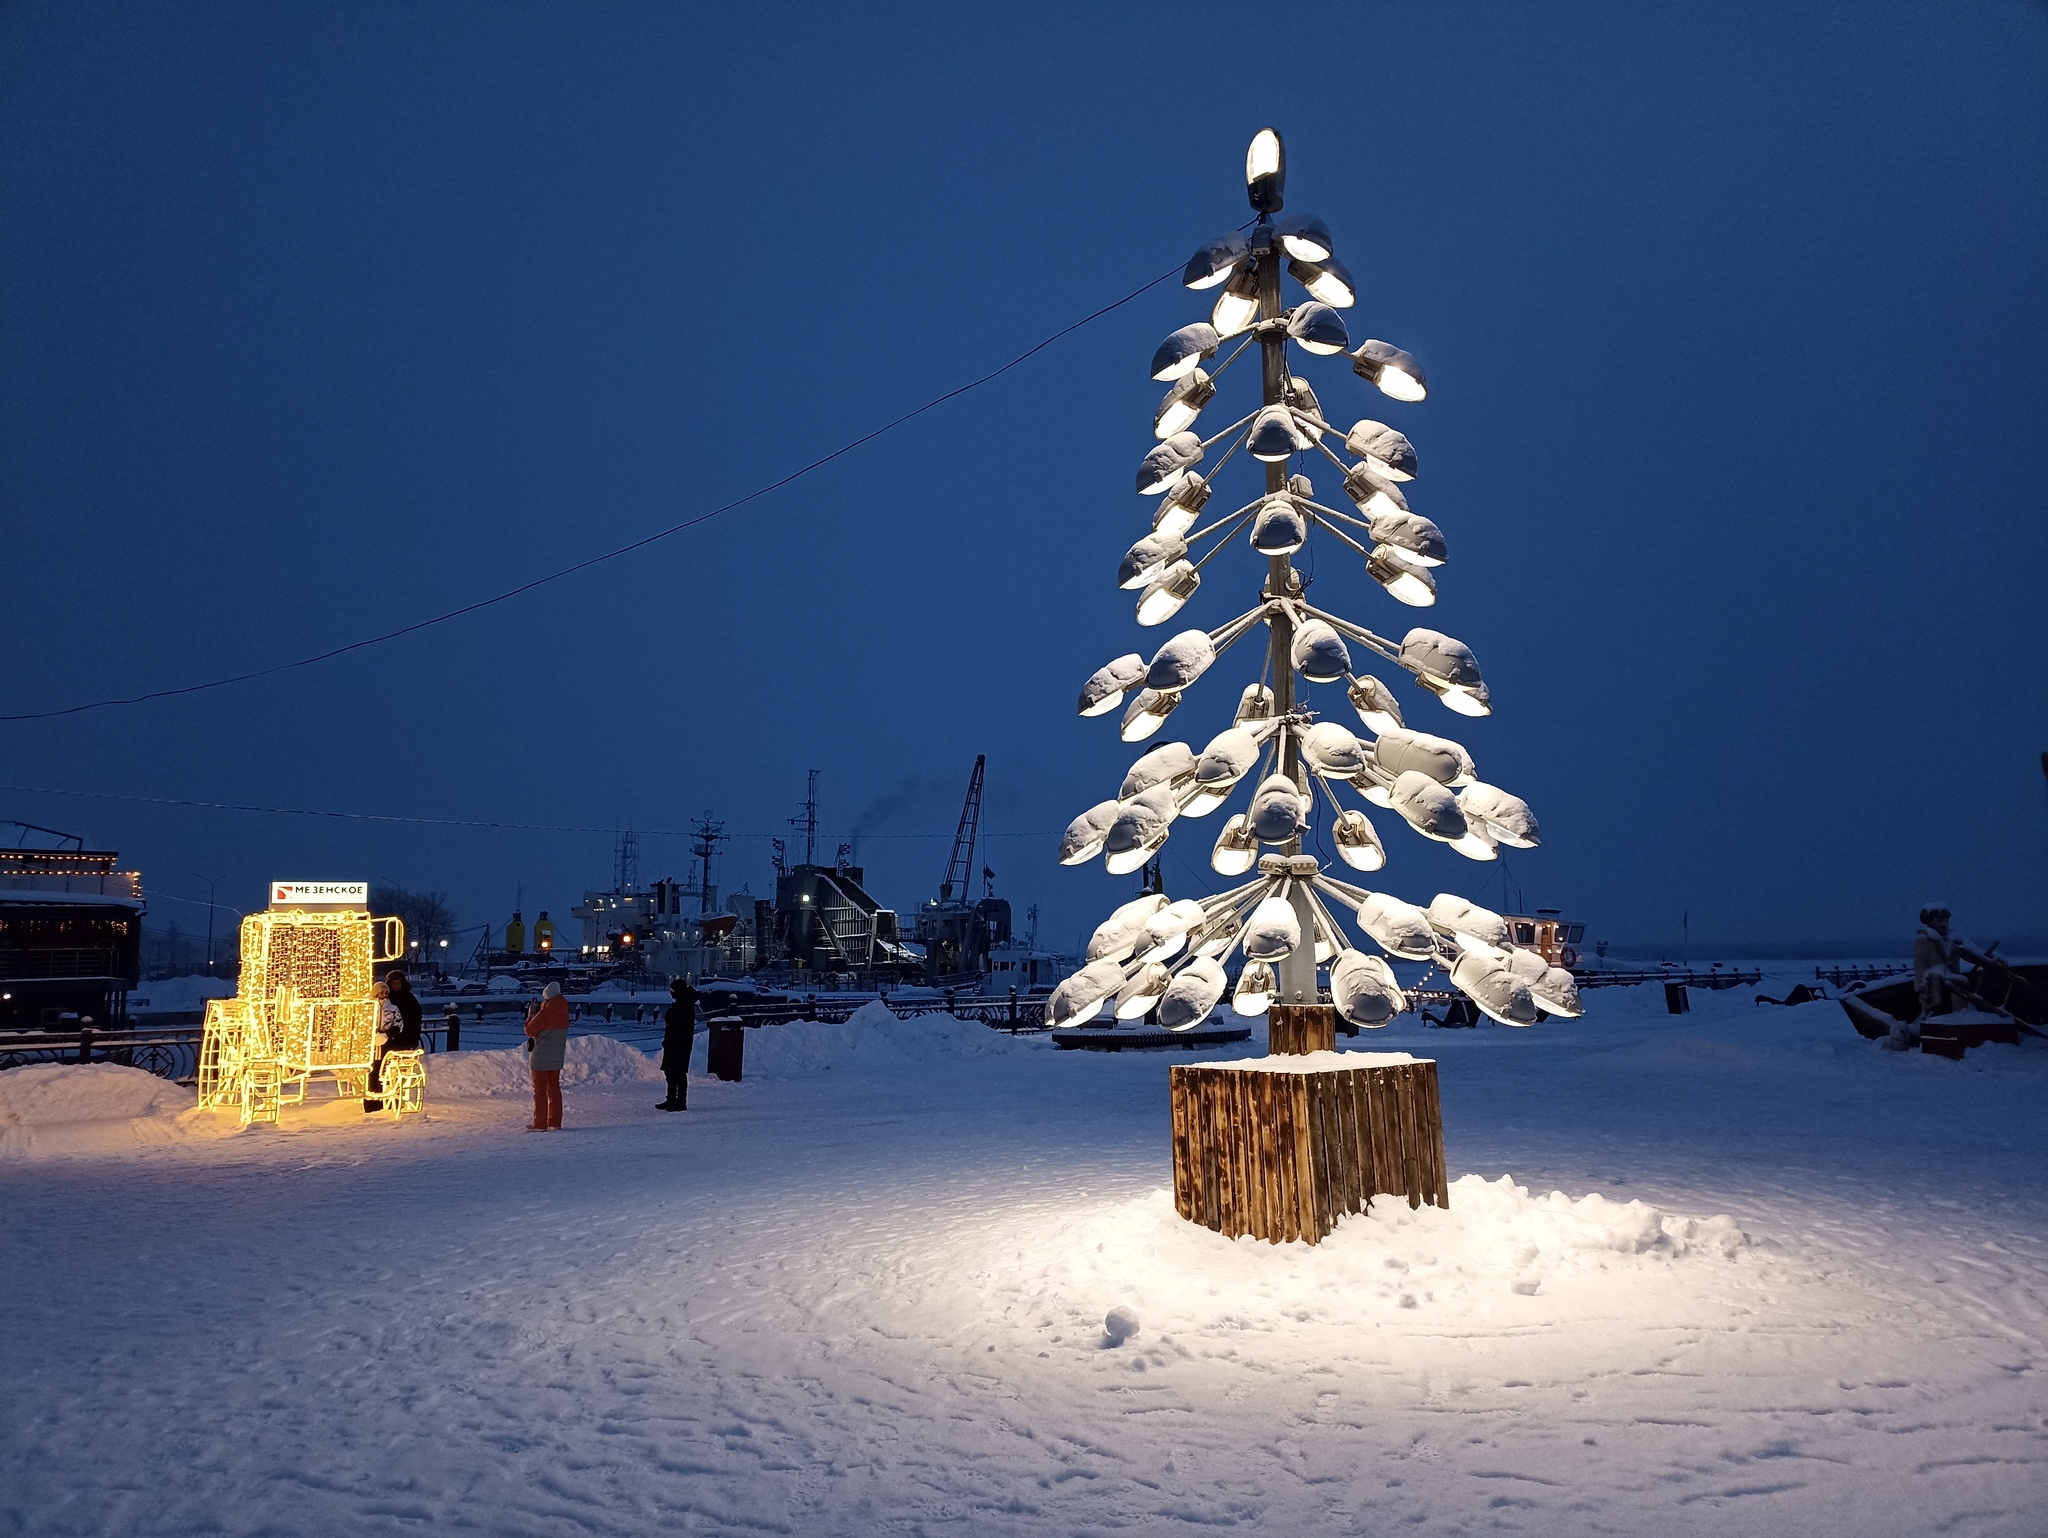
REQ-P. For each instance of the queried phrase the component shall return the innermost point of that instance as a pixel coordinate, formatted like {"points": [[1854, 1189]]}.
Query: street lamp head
{"points": [[1238, 305], [1394, 371], [1274, 437], [1214, 263], [1387, 453], [1328, 280], [1183, 403], [1174, 586], [1180, 354], [1305, 238], [1166, 464], [1318, 328], [1265, 171], [1183, 504]]}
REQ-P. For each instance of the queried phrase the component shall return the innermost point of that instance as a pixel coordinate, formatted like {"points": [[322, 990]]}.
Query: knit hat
{"points": [[552, 991]]}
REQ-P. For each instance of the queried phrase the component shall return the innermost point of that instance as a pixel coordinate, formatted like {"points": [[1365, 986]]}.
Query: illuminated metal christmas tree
{"points": [[1173, 956]]}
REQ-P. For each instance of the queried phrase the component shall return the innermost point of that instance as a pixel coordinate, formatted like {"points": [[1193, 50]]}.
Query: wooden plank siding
{"points": [[1283, 1155]]}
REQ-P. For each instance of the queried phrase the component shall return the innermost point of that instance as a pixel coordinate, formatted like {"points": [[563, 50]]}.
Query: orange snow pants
{"points": [[547, 1098]]}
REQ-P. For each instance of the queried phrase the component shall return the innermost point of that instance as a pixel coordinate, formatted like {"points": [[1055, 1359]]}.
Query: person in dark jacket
{"points": [[403, 1037], [409, 1011], [678, 1036]]}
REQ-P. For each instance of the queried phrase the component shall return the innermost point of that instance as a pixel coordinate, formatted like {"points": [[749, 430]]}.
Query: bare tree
{"points": [[427, 916]]}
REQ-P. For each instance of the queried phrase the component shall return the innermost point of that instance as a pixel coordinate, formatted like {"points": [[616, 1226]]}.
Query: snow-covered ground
{"points": [[1735, 1272]]}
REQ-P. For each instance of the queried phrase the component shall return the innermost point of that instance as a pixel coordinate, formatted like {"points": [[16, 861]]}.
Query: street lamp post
{"points": [[211, 883]]}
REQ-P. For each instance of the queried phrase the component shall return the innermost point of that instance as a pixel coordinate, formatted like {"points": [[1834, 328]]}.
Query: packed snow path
{"points": [[869, 1298]]}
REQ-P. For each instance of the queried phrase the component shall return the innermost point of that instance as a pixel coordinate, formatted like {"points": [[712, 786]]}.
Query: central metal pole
{"points": [[1297, 977]]}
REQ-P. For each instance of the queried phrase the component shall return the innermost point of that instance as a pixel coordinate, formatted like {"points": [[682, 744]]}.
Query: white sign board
{"points": [[320, 894]]}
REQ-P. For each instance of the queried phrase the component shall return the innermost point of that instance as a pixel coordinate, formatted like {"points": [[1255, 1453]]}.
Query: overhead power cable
{"points": [[609, 555], [439, 822]]}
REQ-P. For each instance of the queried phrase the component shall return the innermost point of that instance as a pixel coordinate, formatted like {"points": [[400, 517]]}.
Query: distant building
{"points": [[70, 937]]}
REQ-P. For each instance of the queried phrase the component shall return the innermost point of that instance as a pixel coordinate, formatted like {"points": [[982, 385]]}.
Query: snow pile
{"points": [[46, 1094], [591, 1060], [1494, 1244], [873, 1038]]}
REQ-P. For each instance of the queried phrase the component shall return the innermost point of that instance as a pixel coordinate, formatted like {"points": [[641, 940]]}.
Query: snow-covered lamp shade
{"points": [[1116, 937], [1183, 659], [1166, 932], [1375, 704], [1146, 713], [1394, 371], [1319, 654], [1228, 758], [1305, 238], [1506, 817], [1427, 807], [1464, 920], [1279, 527], [1406, 579], [1374, 494], [1254, 706], [1333, 750], [1183, 403], [1145, 988], [1146, 561], [1272, 931], [1214, 263], [1078, 997], [1108, 684], [1181, 506], [1387, 453], [1364, 990], [1398, 928], [1277, 814], [1163, 596], [1084, 837], [1400, 750], [1274, 437], [1171, 763], [1328, 280], [1483, 976], [1447, 668], [1184, 351], [1166, 464], [1238, 305], [1193, 994], [1318, 328], [1418, 540]]}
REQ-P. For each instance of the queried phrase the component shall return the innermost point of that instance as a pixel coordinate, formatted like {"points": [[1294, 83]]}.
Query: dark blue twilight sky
{"points": [[321, 319]]}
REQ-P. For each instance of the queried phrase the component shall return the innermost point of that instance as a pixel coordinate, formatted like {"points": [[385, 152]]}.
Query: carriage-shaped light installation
{"points": [[303, 1008], [1170, 957]]}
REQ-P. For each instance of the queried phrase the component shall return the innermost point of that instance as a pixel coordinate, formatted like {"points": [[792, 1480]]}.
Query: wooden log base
{"points": [[1282, 1147], [1292, 1029]]}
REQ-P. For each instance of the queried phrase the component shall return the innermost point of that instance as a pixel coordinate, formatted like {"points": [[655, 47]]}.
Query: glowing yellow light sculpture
{"points": [[303, 1007]]}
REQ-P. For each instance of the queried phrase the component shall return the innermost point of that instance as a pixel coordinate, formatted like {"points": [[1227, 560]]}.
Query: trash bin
{"points": [[725, 1051], [1676, 999]]}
